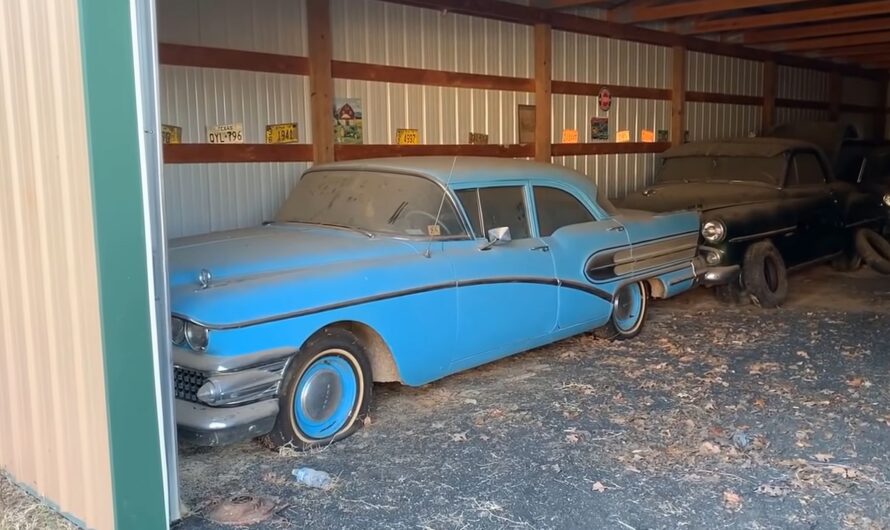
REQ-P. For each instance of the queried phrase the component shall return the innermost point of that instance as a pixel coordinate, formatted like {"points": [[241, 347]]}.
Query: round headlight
{"points": [[887, 199], [196, 336], [177, 330], [713, 231]]}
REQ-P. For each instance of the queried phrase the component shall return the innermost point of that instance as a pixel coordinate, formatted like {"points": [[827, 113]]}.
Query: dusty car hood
{"points": [[696, 196], [253, 252]]}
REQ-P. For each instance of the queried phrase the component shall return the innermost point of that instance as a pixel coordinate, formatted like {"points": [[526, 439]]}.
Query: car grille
{"points": [[186, 383]]}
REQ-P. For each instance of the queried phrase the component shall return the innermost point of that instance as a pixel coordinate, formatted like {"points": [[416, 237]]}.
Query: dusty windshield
{"points": [[375, 202], [768, 170]]}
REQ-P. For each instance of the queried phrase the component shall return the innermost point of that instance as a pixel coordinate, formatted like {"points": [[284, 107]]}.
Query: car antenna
{"points": [[426, 253]]}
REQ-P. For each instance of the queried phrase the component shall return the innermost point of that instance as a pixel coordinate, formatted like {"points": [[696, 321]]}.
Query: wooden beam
{"points": [[206, 57], [798, 16], [818, 30], [420, 76], [727, 99], [835, 95], [691, 8], [543, 96], [565, 4], [853, 51], [618, 91], [608, 148], [801, 104], [216, 153], [678, 95], [882, 37], [768, 112], [321, 84]]}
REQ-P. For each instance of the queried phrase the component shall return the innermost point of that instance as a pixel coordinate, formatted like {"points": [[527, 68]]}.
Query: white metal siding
{"points": [[801, 83], [712, 121], [589, 59], [724, 75], [53, 423]]}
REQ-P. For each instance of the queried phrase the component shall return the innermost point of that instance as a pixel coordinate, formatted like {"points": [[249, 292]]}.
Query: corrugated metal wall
{"points": [[859, 91], [722, 75], [54, 435], [203, 198], [801, 84]]}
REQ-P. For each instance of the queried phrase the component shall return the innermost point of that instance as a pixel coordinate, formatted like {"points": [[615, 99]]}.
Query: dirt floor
{"points": [[713, 417], [21, 511]]}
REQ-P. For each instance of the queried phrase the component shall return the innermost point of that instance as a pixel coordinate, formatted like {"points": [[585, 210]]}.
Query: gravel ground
{"points": [[713, 417]]}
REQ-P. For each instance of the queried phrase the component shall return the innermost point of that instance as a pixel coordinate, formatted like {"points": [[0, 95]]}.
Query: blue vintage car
{"points": [[407, 270]]}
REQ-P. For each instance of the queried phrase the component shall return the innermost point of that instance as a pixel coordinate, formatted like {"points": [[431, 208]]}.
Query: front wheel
{"points": [[629, 306], [326, 392]]}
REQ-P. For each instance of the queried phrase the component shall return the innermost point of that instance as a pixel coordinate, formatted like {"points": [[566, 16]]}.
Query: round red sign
{"points": [[605, 99]]}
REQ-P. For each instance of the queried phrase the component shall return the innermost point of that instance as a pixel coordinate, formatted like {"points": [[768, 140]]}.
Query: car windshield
{"points": [[374, 202], [768, 170]]}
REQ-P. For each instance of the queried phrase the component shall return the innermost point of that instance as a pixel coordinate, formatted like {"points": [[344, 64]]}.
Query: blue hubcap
{"points": [[628, 307], [326, 396]]}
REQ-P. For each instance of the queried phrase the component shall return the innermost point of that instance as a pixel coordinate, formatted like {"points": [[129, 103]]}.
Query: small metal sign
{"points": [[478, 139], [570, 136], [282, 133], [604, 99], [232, 133], [407, 137], [647, 136], [171, 134], [622, 136]]}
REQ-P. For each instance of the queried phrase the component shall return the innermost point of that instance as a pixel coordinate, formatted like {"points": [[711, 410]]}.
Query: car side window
{"points": [[489, 208], [806, 169], [557, 208]]}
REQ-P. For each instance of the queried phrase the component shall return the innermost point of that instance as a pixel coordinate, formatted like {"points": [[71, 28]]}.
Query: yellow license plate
{"points": [[282, 133], [407, 136]]}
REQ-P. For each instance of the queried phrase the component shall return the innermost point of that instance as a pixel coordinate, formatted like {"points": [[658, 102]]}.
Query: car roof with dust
{"points": [[461, 170]]}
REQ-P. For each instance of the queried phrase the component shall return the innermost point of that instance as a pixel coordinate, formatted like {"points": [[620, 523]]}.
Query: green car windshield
{"points": [[768, 170], [373, 202]]}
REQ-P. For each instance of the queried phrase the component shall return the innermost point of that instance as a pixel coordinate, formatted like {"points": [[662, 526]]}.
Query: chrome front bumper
{"points": [[223, 400]]}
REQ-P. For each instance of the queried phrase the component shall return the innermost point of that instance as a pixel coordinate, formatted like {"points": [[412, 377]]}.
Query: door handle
{"points": [[542, 248], [616, 229]]}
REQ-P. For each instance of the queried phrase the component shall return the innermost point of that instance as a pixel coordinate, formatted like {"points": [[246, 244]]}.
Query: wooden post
{"points": [[835, 87], [678, 96], [321, 84], [881, 114], [543, 98], [768, 118]]}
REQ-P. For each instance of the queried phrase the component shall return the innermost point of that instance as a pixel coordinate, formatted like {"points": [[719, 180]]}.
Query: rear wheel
{"points": [[764, 274], [326, 392], [629, 307]]}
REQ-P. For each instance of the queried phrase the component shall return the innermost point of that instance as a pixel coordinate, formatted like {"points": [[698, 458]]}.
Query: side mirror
{"points": [[497, 235]]}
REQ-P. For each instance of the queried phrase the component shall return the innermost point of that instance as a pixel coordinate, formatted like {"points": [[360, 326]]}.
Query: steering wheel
{"points": [[431, 217]]}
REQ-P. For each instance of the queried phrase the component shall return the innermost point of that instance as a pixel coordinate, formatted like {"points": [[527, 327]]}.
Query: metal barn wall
{"points": [[860, 91], [801, 84], [722, 75], [54, 437], [599, 60], [203, 198]]}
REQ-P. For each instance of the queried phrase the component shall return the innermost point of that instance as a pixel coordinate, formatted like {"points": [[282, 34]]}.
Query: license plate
{"points": [[231, 133], [407, 136], [171, 134], [282, 133]]}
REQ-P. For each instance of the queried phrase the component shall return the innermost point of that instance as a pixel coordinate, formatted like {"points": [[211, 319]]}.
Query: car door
{"points": [[819, 218], [584, 246], [507, 293]]}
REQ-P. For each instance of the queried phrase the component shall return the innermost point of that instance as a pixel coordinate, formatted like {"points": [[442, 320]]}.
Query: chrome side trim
{"points": [[220, 364], [760, 235], [865, 221]]}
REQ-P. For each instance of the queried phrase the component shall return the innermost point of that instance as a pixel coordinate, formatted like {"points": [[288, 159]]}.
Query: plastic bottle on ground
{"points": [[312, 477]]}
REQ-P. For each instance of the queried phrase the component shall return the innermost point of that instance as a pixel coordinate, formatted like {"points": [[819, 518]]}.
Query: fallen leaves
{"points": [[773, 490], [822, 457], [763, 367], [598, 487], [708, 448], [732, 501]]}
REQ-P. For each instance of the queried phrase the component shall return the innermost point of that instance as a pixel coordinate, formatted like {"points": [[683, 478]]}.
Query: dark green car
{"points": [[768, 205]]}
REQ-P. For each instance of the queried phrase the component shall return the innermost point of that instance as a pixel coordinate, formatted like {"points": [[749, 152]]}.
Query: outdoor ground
{"points": [[713, 417]]}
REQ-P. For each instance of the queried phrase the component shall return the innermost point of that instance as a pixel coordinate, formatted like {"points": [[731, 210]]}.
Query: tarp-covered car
{"points": [[768, 205], [403, 270]]}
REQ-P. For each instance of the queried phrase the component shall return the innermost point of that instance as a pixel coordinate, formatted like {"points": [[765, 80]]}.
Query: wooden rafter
{"points": [[691, 8], [817, 30], [854, 51], [565, 4], [796, 16], [881, 37]]}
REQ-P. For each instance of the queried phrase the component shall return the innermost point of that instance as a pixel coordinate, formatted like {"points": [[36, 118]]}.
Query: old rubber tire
{"points": [[874, 249], [326, 391], [629, 307], [764, 275]]}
